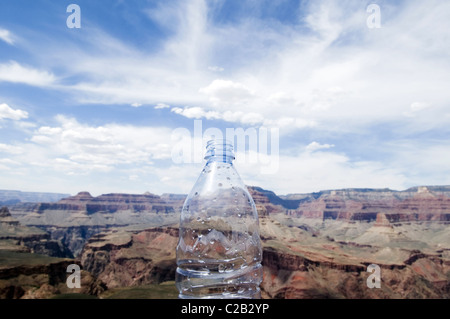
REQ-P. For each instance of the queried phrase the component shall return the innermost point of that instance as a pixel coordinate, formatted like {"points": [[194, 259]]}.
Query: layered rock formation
{"points": [[371, 194], [112, 203], [33, 266], [293, 276], [126, 258], [15, 237], [75, 219], [315, 245], [297, 263], [364, 205], [33, 276], [322, 248], [105, 209]]}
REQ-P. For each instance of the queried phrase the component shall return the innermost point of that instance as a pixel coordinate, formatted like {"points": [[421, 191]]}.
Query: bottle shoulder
{"points": [[218, 177]]}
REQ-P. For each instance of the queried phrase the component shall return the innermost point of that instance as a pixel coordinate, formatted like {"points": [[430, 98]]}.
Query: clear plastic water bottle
{"points": [[219, 248]]}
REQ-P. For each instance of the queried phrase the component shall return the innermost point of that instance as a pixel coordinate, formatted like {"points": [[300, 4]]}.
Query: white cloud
{"points": [[161, 106], [314, 146], [226, 92], [90, 148], [16, 73], [46, 130], [339, 71], [196, 112], [288, 124], [176, 178], [419, 106], [6, 36], [12, 149], [6, 112], [192, 112], [314, 171], [127, 154], [416, 109], [428, 159]]}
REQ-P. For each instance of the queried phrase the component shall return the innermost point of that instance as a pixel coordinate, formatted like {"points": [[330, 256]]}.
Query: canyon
{"points": [[315, 245]]}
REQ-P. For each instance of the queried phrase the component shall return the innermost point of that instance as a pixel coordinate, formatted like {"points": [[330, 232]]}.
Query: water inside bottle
{"points": [[218, 279]]}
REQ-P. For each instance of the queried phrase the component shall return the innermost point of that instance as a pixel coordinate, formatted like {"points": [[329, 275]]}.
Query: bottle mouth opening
{"points": [[219, 150], [220, 143]]}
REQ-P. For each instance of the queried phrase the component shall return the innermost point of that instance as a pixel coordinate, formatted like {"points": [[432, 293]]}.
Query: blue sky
{"points": [[96, 108]]}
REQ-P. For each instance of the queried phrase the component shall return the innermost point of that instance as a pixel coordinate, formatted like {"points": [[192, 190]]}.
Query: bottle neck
{"points": [[220, 151]]}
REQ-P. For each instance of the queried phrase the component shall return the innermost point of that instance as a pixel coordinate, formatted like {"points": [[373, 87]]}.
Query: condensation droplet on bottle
{"points": [[220, 184], [228, 178], [196, 194]]}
